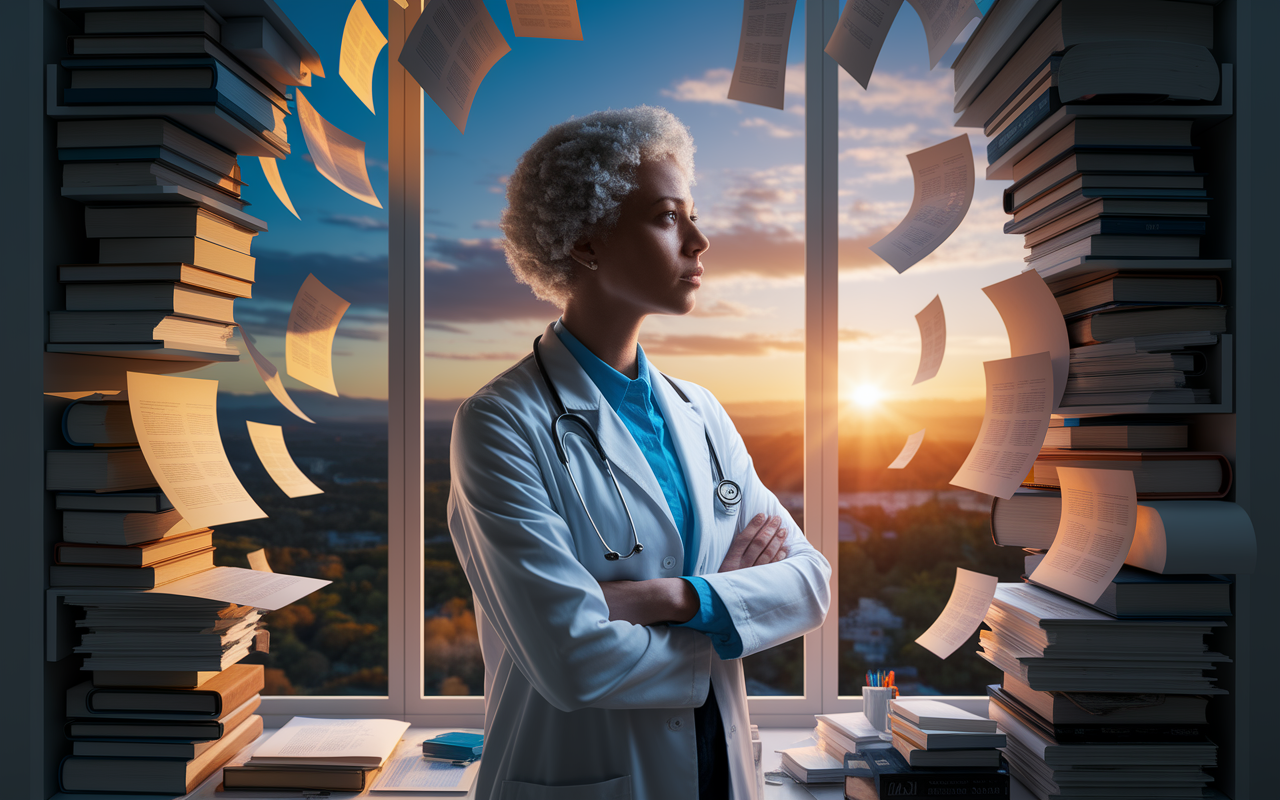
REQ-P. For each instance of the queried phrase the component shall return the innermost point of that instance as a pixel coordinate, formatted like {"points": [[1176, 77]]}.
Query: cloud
{"points": [[497, 183], [721, 308], [898, 94], [486, 225], [865, 133], [773, 129], [751, 344], [851, 335], [712, 87], [468, 281], [377, 163], [273, 319], [360, 223], [779, 254], [507, 357], [359, 281]]}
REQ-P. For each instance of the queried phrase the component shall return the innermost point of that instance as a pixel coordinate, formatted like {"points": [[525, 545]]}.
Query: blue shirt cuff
{"points": [[713, 619]]}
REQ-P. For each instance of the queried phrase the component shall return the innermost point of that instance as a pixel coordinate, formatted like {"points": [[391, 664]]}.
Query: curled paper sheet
{"points": [[944, 20], [859, 36], [258, 561], [760, 72], [555, 20], [1033, 320], [337, 156], [271, 377], [1095, 531], [361, 44], [451, 48], [933, 340], [176, 420], [268, 443], [271, 169], [308, 339], [943, 176], [268, 591], [970, 598], [909, 450]]}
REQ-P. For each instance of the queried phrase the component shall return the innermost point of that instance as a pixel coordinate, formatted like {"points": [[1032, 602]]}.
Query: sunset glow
{"points": [[866, 396]]}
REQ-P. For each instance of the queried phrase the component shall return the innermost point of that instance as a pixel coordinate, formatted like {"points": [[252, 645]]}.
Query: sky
{"points": [[744, 340]]}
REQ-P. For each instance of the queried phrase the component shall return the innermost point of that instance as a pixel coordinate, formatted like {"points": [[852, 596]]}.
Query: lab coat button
{"points": [[675, 723], [668, 562]]}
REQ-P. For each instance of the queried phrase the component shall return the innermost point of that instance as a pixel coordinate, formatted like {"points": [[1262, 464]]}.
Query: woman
{"points": [[615, 598]]}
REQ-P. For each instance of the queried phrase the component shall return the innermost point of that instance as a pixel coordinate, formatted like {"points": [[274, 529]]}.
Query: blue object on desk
{"points": [[456, 746]]}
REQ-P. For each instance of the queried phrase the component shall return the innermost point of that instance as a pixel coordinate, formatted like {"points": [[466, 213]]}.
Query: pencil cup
{"points": [[875, 704]]}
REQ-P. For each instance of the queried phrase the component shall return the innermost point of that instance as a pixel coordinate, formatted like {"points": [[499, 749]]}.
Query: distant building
{"points": [[867, 626], [356, 540]]}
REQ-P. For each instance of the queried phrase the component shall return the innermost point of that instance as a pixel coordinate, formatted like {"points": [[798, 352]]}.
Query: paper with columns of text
{"points": [[909, 450], [271, 377], [1016, 419], [176, 420], [1095, 532], [361, 44], [408, 771], [337, 155], [859, 36], [1034, 323], [244, 587], [933, 340], [451, 48], [970, 598], [944, 20], [760, 73], [943, 176], [308, 338], [268, 443], [555, 20], [272, 170]]}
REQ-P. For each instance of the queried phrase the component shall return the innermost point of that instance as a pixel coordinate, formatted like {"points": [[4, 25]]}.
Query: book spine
{"points": [[917, 785], [1037, 112]]}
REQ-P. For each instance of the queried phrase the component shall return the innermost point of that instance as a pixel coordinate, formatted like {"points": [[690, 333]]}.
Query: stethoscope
{"points": [[727, 492]]}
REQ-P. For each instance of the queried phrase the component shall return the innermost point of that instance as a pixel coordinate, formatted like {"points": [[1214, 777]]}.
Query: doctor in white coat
{"points": [[615, 598]]}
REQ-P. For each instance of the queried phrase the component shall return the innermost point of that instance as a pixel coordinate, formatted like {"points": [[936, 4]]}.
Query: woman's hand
{"points": [[651, 602], [763, 541]]}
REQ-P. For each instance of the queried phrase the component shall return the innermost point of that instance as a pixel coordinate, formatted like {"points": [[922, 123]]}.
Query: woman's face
{"points": [[650, 262]]}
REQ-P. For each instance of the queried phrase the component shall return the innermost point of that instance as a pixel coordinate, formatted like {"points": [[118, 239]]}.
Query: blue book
{"points": [[454, 746], [1037, 112]]}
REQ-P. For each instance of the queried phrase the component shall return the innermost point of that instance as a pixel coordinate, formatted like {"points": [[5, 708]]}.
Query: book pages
{"points": [[271, 377], [970, 598], [944, 20], [909, 450], [408, 771], [361, 44], [557, 20], [1034, 323], [943, 176], [244, 587], [1014, 423], [272, 170], [308, 338], [449, 51], [268, 443], [337, 155], [1095, 531], [308, 741], [933, 340], [176, 420], [859, 36], [760, 72], [258, 561]]}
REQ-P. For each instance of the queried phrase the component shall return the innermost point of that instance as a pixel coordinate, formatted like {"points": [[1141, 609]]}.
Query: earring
{"points": [[593, 265]]}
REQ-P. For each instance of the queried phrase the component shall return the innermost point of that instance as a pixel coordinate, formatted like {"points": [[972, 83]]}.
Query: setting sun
{"points": [[866, 395]]}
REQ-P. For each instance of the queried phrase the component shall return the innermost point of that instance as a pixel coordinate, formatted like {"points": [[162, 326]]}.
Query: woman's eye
{"points": [[671, 215]]}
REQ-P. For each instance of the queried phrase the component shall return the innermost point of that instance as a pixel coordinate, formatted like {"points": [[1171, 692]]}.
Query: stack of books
{"points": [[318, 755], [851, 732], [158, 732], [1138, 686], [930, 733], [1090, 112], [877, 774]]}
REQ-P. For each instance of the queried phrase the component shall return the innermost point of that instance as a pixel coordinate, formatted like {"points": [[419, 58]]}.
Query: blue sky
{"points": [[744, 341]]}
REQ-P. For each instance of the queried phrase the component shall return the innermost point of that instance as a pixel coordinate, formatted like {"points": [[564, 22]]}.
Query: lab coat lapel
{"points": [[580, 396], [689, 436]]}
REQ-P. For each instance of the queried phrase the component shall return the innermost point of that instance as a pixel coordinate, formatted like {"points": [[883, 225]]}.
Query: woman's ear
{"points": [[583, 253]]}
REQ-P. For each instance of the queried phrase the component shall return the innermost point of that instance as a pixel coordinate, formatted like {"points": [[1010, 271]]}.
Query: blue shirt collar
{"points": [[613, 385]]}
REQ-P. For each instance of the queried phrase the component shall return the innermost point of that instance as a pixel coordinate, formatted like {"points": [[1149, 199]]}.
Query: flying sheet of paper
{"points": [[258, 561], [943, 176], [1095, 531], [271, 377], [272, 170], [933, 340], [361, 44], [244, 587], [407, 771], [451, 48], [308, 339], [1019, 392], [268, 443], [859, 36], [1034, 323], [909, 450], [970, 599], [556, 20], [944, 20], [760, 73], [176, 420], [337, 156]]}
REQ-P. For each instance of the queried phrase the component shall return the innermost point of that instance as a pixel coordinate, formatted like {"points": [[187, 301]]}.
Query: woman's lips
{"points": [[694, 277]]}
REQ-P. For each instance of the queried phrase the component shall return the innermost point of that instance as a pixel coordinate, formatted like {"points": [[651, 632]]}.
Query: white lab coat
{"points": [[579, 707]]}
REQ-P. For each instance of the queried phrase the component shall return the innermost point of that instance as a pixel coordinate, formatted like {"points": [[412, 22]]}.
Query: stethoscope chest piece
{"points": [[729, 494]]}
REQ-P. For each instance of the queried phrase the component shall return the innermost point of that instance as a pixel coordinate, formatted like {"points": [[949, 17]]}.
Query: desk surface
{"points": [[773, 739]]}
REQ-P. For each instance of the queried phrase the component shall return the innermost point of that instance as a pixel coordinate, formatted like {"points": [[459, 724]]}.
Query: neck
{"points": [[612, 337]]}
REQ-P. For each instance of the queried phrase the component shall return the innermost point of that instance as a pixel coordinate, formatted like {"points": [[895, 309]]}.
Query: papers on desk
{"points": [[304, 741], [408, 771]]}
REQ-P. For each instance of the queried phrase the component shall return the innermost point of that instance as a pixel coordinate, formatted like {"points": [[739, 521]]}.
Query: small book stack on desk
{"points": [[930, 733], [308, 754], [852, 732]]}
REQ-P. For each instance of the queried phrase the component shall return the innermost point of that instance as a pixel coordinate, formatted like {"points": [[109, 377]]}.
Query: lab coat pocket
{"points": [[615, 789]]}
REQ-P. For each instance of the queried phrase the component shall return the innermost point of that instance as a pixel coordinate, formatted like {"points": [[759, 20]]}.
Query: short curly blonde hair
{"points": [[571, 182]]}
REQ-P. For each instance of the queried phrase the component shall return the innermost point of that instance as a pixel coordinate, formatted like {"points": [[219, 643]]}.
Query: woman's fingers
{"points": [[761, 541], [733, 558], [775, 551]]}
